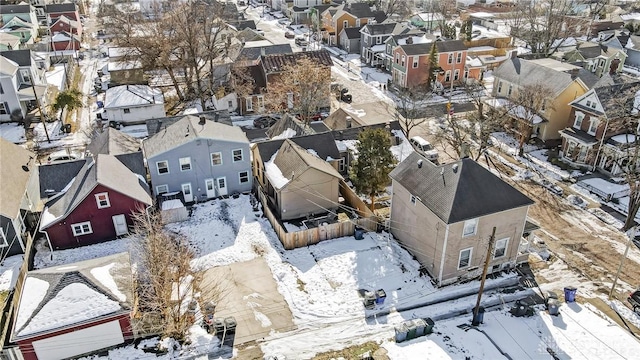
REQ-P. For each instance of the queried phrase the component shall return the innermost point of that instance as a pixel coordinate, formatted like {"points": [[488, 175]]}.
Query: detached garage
{"points": [[75, 309]]}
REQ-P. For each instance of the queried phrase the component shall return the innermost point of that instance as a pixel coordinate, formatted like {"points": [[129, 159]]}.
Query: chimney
{"points": [[262, 51], [410, 40], [420, 164], [340, 135], [454, 167], [574, 73], [514, 53], [202, 120], [348, 122]]}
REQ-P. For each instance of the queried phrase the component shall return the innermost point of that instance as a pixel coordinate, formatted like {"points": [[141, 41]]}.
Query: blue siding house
{"points": [[202, 158]]}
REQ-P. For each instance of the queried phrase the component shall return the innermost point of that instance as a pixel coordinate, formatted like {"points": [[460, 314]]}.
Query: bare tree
{"points": [[166, 282], [544, 26], [410, 108], [303, 87]]}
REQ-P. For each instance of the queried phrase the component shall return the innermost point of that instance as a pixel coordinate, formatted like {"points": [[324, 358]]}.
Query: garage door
{"points": [[79, 342]]}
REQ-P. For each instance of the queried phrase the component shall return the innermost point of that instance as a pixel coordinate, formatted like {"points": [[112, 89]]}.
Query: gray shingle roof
{"points": [[20, 57], [278, 62], [189, 129], [522, 72], [157, 124], [610, 98], [288, 122], [381, 29], [338, 120], [352, 32], [417, 49], [293, 160], [13, 178], [105, 170], [450, 45], [54, 177], [15, 9], [59, 277], [322, 144], [360, 10], [113, 142], [253, 53], [58, 8], [457, 191]]}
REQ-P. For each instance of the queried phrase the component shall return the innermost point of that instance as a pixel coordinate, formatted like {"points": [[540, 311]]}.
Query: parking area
{"points": [[251, 296]]}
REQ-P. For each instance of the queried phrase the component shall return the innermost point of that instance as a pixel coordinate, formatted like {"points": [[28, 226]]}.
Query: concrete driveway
{"points": [[252, 297]]}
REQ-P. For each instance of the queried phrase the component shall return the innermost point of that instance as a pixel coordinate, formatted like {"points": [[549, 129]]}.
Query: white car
{"points": [[425, 148], [62, 156]]}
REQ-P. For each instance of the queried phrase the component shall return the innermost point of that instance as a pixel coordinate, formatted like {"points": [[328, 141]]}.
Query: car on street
{"points": [[284, 22], [345, 96], [264, 122], [289, 35], [424, 148], [301, 41], [634, 300], [553, 188]]}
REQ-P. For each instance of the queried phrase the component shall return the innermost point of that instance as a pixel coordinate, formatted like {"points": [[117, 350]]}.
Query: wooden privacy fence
{"points": [[296, 239]]}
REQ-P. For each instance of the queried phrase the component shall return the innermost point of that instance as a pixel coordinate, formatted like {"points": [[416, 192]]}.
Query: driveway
{"points": [[252, 298]]}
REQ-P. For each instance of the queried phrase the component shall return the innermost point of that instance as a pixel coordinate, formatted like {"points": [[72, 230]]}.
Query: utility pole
{"points": [[631, 234], [44, 124], [487, 260]]}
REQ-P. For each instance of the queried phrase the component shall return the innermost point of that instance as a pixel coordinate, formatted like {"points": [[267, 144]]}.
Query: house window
{"points": [[260, 103], [415, 61], [237, 155], [163, 167], [26, 76], [345, 24], [510, 90], [465, 258], [447, 76], [450, 60], [379, 40], [216, 158], [578, 122], [388, 52], [593, 105], [466, 74], [470, 227], [357, 20], [402, 63], [593, 126], [249, 103], [456, 75], [588, 103], [341, 165], [501, 248], [102, 199], [459, 59], [244, 177], [414, 199], [185, 164], [126, 111], [499, 86], [161, 189], [366, 39], [397, 58], [82, 228], [229, 104], [4, 108]]}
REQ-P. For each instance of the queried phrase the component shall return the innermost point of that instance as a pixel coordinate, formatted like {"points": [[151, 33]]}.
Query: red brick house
{"points": [[411, 66], [75, 309], [97, 205]]}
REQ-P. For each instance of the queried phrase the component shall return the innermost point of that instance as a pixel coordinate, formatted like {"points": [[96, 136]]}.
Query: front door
{"points": [[186, 191], [211, 188], [120, 224], [222, 186]]}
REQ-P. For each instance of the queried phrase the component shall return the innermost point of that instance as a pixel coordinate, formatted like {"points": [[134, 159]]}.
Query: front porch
{"points": [[578, 148]]}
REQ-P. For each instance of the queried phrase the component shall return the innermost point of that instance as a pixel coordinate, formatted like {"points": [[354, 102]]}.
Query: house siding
{"points": [[61, 234], [298, 198], [136, 113], [423, 234], [26, 347], [200, 151], [13, 243]]}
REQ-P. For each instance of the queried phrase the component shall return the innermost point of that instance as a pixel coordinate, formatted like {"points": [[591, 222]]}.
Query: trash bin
{"points": [[553, 306], [218, 325], [369, 300], [570, 293], [429, 326], [380, 296], [401, 332], [479, 317], [100, 104], [359, 233], [421, 326], [67, 128], [412, 329], [230, 324]]}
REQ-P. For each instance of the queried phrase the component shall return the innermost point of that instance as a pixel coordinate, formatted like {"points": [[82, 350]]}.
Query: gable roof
{"points": [[359, 10], [56, 176], [278, 62], [15, 9], [103, 170], [20, 57], [51, 298], [66, 20], [254, 53], [243, 24], [288, 123], [609, 97], [17, 23], [189, 129], [322, 144], [450, 45], [8, 39], [381, 29], [13, 177], [58, 8], [416, 49], [352, 32], [293, 160], [113, 142], [338, 120], [7, 67], [457, 191], [156, 125], [523, 72], [132, 95]]}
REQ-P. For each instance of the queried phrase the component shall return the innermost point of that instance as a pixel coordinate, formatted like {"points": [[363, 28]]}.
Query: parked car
{"points": [[345, 96], [555, 189], [290, 35], [63, 155], [634, 300], [301, 42], [284, 22], [424, 148], [264, 122]]}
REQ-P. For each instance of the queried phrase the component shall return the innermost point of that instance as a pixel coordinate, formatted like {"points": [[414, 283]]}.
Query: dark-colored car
{"points": [[345, 96], [264, 122], [289, 35], [301, 42], [634, 300]]}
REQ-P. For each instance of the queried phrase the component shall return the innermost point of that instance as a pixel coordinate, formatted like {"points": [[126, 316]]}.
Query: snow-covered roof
{"points": [[378, 48], [482, 14], [132, 96], [517, 111], [172, 204], [58, 297], [274, 174]]}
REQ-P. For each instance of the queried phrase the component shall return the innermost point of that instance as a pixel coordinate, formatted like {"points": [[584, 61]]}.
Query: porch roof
{"points": [[579, 135]]}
